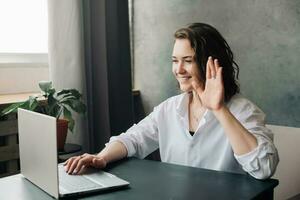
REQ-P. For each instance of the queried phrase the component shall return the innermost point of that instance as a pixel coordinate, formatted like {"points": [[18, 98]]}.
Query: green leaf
{"points": [[51, 101], [51, 91], [32, 99], [54, 107], [71, 124], [69, 92], [58, 113], [33, 103], [11, 109], [45, 86], [76, 105], [28, 105], [68, 116], [25, 105], [55, 111], [67, 97]]}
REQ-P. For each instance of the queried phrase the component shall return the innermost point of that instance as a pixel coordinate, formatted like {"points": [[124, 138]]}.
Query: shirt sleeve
{"points": [[261, 162], [141, 139]]}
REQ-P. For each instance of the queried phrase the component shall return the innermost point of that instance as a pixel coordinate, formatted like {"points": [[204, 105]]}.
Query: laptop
{"points": [[39, 160]]}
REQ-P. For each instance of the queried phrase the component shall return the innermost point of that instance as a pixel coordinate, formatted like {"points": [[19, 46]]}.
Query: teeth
{"points": [[184, 78]]}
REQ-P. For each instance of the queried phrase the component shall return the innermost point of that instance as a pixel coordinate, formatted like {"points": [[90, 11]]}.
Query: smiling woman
{"points": [[184, 67], [201, 41], [208, 126]]}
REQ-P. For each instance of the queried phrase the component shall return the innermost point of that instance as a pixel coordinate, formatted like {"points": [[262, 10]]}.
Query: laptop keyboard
{"points": [[75, 183]]}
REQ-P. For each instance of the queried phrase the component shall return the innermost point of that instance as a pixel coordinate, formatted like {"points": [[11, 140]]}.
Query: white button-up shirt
{"points": [[167, 128]]}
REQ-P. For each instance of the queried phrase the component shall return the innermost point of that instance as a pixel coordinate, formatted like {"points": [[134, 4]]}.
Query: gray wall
{"points": [[263, 34]]}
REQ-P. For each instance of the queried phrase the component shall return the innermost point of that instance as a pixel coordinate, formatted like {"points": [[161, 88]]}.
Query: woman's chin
{"points": [[184, 88]]}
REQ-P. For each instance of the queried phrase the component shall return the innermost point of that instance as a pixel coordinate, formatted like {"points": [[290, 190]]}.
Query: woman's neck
{"points": [[195, 99], [196, 111]]}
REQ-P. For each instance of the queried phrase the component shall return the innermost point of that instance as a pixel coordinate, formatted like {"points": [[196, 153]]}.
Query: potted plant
{"points": [[55, 104]]}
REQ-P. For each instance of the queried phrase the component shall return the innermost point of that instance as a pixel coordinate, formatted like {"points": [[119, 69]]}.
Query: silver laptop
{"points": [[38, 159]]}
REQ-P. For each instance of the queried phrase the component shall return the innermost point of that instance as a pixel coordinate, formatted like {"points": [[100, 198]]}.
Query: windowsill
{"points": [[15, 98], [20, 97], [136, 92], [23, 58]]}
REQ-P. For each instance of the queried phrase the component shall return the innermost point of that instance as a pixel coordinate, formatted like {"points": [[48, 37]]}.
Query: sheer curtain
{"points": [[66, 57], [89, 49]]}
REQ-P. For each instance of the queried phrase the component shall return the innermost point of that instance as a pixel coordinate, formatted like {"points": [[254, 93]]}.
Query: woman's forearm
{"points": [[113, 151], [241, 140]]}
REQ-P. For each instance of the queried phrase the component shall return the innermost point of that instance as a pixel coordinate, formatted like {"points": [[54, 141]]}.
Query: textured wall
{"points": [[263, 34]]}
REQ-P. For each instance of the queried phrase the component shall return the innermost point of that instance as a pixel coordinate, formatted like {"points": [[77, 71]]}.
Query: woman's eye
{"points": [[175, 61], [188, 61]]}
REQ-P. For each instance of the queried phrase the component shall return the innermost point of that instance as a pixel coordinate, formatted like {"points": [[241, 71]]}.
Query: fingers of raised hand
{"points": [[212, 67], [216, 64], [218, 69], [208, 68], [219, 73]]}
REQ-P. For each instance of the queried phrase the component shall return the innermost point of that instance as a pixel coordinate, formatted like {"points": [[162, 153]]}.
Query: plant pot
{"points": [[61, 130]]}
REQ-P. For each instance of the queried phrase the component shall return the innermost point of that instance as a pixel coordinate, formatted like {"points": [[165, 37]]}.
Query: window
{"points": [[24, 45], [24, 26]]}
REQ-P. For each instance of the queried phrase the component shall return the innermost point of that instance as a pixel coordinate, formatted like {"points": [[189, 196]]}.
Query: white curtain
{"points": [[66, 57]]}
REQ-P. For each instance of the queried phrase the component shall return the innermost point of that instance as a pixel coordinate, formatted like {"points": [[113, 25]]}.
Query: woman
{"points": [[210, 125]]}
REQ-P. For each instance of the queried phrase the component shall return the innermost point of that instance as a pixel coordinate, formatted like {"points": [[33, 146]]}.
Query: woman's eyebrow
{"points": [[187, 57], [184, 57]]}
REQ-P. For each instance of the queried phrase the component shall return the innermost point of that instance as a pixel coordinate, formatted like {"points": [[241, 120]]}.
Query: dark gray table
{"points": [[156, 180], [70, 148]]}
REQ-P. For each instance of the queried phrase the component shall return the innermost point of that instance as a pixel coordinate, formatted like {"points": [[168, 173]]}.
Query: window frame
{"points": [[23, 60]]}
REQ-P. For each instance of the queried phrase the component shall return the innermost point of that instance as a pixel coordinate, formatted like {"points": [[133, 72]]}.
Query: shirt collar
{"points": [[208, 114], [182, 106]]}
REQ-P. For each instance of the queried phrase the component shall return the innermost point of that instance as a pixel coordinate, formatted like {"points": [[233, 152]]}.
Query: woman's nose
{"points": [[180, 68]]}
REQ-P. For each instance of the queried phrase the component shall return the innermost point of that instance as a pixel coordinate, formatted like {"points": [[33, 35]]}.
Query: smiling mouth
{"points": [[184, 78]]}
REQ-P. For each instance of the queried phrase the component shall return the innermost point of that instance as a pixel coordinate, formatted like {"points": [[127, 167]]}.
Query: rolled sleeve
{"points": [[262, 161], [125, 141], [141, 139]]}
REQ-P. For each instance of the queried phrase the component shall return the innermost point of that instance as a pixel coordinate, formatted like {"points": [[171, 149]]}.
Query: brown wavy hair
{"points": [[207, 41]]}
